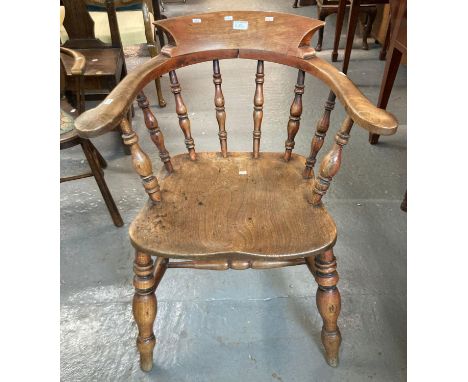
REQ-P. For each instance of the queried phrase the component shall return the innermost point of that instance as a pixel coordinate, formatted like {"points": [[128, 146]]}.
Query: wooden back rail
{"points": [[213, 39]]}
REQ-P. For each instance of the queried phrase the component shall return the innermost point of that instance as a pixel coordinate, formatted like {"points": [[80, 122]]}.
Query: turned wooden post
{"points": [[328, 299], [331, 163], [319, 136], [181, 110], [144, 308], [295, 115], [219, 105], [141, 162], [155, 133], [258, 108]]}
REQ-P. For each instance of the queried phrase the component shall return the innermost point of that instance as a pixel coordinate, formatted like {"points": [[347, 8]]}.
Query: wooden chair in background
{"points": [[69, 136], [148, 16], [328, 7], [355, 7], [105, 62], [236, 210], [397, 49]]}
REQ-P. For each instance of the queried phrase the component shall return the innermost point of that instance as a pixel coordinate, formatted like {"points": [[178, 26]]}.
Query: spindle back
{"points": [[262, 36]]}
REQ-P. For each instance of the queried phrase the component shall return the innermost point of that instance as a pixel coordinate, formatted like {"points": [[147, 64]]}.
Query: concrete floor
{"points": [[250, 325]]}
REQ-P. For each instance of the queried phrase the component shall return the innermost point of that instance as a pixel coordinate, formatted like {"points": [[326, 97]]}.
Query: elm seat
{"points": [[255, 208]]}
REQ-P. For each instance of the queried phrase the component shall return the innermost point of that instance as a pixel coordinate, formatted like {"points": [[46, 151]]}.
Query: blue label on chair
{"points": [[240, 25]]}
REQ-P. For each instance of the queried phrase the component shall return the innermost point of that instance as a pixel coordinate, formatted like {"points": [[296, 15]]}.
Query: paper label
{"points": [[196, 21], [240, 25], [107, 101], [227, 18], [242, 172], [269, 18]]}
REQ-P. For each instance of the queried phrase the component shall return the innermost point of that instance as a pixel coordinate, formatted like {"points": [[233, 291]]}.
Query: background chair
{"points": [[328, 7], [135, 19], [69, 136]]}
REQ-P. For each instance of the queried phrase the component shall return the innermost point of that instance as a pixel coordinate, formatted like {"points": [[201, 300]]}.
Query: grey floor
{"points": [[250, 325]]}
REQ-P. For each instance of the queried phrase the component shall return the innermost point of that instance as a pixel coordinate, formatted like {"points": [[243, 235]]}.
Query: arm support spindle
{"points": [[319, 137], [141, 162], [155, 133], [331, 163]]}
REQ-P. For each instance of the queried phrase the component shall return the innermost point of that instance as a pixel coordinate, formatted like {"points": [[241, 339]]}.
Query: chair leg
{"points": [[99, 157], [98, 174], [144, 308], [368, 28], [403, 203], [328, 302], [339, 26], [321, 17], [161, 100]]}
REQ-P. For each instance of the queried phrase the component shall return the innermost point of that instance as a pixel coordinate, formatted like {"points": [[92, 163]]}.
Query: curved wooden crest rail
{"points": [[235, 210]]}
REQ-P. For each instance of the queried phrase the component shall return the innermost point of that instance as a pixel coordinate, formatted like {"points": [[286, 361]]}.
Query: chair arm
{"points": [[110, 112], [356, 104], [79, 61]]}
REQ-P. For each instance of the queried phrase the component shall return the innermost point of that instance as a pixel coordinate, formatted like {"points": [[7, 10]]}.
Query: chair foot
{"points": [[331, 341], [318, 47], [334, 56], [144, 308], [373, 138], [403, 203]]}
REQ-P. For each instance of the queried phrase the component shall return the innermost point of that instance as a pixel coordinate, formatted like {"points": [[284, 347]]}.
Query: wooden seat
{"points": [[231, 210], [256, 208], [103, 69]]}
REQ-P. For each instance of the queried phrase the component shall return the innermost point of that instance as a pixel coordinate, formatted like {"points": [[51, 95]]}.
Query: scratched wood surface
{"points": [[212, 209]]}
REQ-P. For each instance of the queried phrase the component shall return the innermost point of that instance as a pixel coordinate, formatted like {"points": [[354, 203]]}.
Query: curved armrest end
{"points": [[356, 104], [79, 61], [110, 112]]}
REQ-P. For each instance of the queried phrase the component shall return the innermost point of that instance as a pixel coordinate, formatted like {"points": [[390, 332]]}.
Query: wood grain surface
{"points": [[235, 207]]}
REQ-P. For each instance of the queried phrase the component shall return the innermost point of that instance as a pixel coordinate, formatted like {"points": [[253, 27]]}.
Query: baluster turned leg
{"points": [[294, 115], [328, 302], [319, 137], [258, 109], [181, 110], [144, 308], [155, 133], [219, 105]]}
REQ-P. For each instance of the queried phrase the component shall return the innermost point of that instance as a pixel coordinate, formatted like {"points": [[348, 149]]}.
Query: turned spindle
{"points": [[144, 308], [319, 136], [328, 300], [219, 106], [331, 163], [258, 108], [155, 133], [141, 162], [181, 110], [295, 115]]}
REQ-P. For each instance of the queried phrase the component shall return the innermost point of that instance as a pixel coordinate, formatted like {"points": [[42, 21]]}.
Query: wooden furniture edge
{"points": [[79, 61]]}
